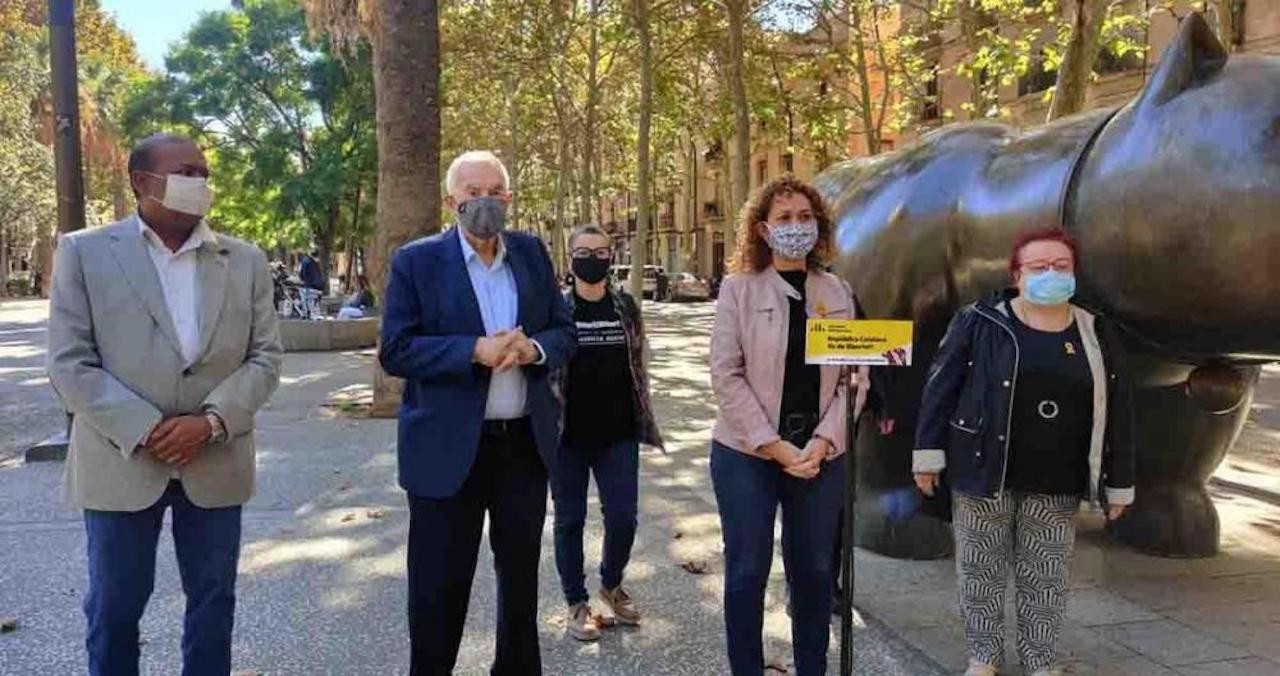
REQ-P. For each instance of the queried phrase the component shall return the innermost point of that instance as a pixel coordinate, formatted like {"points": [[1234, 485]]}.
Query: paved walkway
{"points": [[322, 586], [1130, 614], [322, 571]]}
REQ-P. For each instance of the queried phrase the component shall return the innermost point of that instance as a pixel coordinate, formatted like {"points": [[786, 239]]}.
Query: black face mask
{"points": [[591, 270]]}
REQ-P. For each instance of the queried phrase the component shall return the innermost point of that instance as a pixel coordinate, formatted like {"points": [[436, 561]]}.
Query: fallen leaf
{"points": [[376, 513], [8, 625], [678, 535], [344, 487], [695, 566], [349, 517]]}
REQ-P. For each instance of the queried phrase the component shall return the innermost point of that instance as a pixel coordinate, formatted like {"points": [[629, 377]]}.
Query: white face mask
{"points": [[185, 194]]}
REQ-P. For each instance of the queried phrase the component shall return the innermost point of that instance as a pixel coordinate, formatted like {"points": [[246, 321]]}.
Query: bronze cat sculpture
{"points": [[1175, 202]]}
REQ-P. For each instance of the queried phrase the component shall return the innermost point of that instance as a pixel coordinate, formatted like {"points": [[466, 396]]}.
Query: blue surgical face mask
{"points": [[1050, 287]]}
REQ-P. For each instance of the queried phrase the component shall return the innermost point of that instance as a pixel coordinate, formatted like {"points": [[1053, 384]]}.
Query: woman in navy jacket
{"points": [[1027, 411]]}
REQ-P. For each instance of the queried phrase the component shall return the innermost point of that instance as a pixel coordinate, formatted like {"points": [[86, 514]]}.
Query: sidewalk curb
{"points": [[922, 664], [53, 449]]}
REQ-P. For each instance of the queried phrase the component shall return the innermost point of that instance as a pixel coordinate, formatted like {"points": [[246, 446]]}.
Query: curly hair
{"points": [[752, 253]]}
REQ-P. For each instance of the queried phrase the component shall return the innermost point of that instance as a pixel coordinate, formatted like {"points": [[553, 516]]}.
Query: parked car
{"points": [[687, 286], [653, 284]]}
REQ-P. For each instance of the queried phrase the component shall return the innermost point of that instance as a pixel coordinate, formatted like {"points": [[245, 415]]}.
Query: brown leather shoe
{"points": [[583, 624], [619, 601]]}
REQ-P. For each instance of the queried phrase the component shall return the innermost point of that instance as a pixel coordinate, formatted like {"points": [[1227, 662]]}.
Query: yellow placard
{"points": [[861, 342]]}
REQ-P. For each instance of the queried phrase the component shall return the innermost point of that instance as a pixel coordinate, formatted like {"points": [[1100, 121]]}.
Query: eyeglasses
{"points": [[603, 253], [1058, 264]]}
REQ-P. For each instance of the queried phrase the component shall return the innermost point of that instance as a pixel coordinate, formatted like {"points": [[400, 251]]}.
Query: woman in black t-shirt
{"points": [[1027, 409], [607, 415]]}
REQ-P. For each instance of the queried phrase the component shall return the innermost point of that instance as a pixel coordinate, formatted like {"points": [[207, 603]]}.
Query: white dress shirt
{"points": [[177, 271], [499, 300]]}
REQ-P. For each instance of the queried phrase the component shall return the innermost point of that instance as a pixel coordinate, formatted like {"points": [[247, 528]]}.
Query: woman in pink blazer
{"points": [[780, 423]]}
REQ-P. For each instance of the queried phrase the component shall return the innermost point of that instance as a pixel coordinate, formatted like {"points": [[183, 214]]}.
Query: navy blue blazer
{"points": [[430, 323]]}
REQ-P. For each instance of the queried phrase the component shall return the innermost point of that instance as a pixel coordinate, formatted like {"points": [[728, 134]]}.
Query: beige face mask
{"points": [[185, 194]]}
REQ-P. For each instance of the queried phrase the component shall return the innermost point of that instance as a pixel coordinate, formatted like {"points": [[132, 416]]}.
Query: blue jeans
{"points": [[122, 572], [616, 469], [749, 491]]}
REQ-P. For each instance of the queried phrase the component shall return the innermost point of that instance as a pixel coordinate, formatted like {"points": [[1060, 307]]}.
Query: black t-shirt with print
{"points": [[599, 391], [799, 415], [1052, 412]]}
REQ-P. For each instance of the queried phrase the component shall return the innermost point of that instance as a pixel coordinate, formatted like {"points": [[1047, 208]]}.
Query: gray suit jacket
{"points": [[115, 361]]}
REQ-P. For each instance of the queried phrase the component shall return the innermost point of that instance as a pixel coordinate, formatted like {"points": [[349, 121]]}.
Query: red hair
{"points": [[1049, 234]]}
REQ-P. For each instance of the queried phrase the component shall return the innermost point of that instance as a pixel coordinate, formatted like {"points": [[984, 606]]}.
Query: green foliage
{"points": [[108, 68], [26, 164], [288, 123]]}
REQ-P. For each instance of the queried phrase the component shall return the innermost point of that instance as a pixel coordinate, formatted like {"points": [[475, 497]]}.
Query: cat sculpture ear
{"points": [[1193, 58]]}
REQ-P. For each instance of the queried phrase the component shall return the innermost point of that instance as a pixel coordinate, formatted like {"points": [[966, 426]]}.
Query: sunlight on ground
{"points": [[21, 351], [304, 379], [262, 556]]}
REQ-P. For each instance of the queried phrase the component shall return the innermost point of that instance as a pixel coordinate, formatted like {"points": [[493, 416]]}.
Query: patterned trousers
{"points": [[1034, 532]]}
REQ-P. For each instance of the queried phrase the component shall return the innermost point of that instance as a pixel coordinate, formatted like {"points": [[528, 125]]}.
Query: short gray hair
{"points": [[475, 157], [588, 229]]}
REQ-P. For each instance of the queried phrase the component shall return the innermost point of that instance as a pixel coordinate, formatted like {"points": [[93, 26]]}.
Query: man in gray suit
{"points": [[162, 345]]}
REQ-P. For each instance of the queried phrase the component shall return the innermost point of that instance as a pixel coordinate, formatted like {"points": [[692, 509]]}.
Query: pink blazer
{"points": [[748, 358]]}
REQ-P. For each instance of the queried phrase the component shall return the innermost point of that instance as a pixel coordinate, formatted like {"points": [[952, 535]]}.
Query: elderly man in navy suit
{"points": [[474, 322]]}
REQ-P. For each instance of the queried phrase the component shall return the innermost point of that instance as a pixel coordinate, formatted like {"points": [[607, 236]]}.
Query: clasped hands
{"points": [[177, 440], [801, 464], [505, 350]]}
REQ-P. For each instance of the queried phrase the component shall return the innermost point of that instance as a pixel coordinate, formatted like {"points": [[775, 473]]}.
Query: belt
{"points": [[502, 428]]}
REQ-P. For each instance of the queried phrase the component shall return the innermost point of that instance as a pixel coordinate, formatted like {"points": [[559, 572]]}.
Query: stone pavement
{"points": [[322, 586], [1132, 614], [29, 410], [322, 570]]}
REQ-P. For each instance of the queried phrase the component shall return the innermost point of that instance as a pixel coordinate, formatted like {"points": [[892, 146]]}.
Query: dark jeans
{"points": [[122, 573], [748, 493], [509, 482], [616, 469]]}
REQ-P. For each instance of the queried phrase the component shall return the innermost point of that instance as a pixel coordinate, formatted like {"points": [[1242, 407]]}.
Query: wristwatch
{"points": [[217, 430]]}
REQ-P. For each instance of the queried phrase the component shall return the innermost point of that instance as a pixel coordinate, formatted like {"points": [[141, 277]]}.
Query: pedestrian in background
{"points": [[314, 284], [780, 424], [473, 320], [163, 346], [608, 414], [1028, 409], [361, 301]]}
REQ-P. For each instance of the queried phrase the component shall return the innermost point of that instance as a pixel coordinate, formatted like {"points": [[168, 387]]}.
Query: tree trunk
{"points": [[352, 270], [44, 259], [740, 158], [513, 148], [866, 102], [1227, 22], [590, 189], [644, 179], [325, 242], [562, 198], [1079, 57], [406, 67], [120, 198], [973, 20], [4, 260]]}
